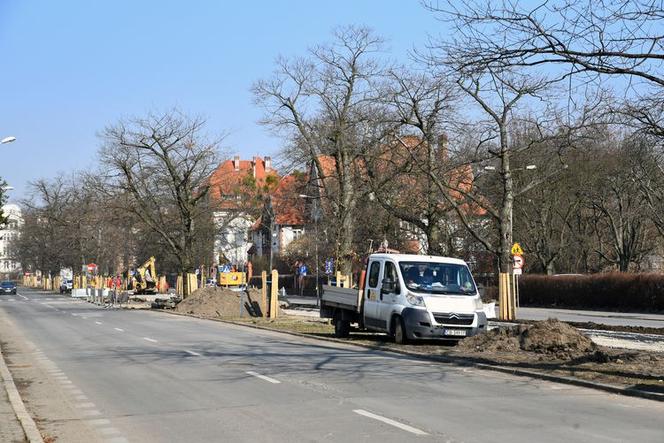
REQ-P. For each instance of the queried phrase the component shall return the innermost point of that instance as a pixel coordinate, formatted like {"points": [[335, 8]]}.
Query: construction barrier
{"points": [[232, 278], [506, 296]]}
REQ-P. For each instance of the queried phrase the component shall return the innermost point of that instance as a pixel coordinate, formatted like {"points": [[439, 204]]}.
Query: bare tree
{"points": [[577, 42], [162, 164], [324, 105], [418, 109]]}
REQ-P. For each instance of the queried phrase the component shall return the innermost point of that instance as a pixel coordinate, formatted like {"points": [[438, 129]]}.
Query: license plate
{"points": [[455, 332]]}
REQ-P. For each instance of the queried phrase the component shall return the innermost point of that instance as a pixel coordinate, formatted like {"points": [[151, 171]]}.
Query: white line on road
{"points": [[263, 377], [75, 315], [150, 339], [99, 422], [119, 329], [390, 422], [192, 353], [85, 405], [23, 297], [97, 322]]}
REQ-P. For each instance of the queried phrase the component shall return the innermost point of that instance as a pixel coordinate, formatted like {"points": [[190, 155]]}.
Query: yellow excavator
{"points": [[146, 278]]}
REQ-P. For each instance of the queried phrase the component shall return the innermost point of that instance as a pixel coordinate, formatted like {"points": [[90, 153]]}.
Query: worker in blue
{"points": [[302, 272]]}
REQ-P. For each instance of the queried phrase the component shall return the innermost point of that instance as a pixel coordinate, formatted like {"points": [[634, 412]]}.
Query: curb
{"points": [[27, 423], [460, 362]]}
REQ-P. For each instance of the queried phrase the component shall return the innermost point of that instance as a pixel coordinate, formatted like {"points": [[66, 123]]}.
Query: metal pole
{"points": [[317, 267]]}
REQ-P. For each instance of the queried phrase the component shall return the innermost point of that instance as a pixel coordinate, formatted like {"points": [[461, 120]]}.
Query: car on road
{"points": [[8, 287], [66, 286]]}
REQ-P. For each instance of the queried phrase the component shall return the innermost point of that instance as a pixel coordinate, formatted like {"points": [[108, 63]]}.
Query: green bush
{"points": [[612, 291]]}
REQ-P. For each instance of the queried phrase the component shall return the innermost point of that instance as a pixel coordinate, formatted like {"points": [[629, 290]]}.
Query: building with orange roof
{"points": [[234, 193], [240, 191]]}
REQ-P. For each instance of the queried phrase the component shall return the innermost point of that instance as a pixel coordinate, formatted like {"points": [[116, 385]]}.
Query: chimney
{"points": [[268, 163], [236, 162], [253, 164]]}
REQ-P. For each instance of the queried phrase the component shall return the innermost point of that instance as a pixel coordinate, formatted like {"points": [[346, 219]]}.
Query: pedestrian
{"points": [[296, 275], [250, 272], [302, 272]]}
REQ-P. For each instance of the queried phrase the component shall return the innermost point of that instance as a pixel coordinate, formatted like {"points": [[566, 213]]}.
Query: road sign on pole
{"points": [[516, 249], [518, 262]]}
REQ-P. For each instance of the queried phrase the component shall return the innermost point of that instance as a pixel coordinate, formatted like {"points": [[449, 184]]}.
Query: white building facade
{"points": [[8, 233]]}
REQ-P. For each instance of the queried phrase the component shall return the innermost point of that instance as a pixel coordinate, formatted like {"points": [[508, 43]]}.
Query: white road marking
{"points": [[10, 299], [263, 377], [119, 329], [23, 297], [117, 440], [390, 422], [81, 397], [108, 431], [65, 382], [91, 413], [150, 339], [97, 322], [75, 315], [99, 422], [192, 353], [87, 405]]}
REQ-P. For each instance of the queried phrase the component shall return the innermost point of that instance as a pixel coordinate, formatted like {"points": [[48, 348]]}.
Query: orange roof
{"points": [[289, 207], [233, 178]]}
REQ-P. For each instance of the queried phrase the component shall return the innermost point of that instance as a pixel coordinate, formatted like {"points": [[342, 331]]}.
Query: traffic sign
{"points": [[518, 262], [516, 249]]}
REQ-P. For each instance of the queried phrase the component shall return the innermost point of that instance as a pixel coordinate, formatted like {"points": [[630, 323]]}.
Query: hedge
{"points": [[611, 291]]}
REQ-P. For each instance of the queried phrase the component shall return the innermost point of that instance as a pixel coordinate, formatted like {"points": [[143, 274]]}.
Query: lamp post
{"points": [[315, 214]]}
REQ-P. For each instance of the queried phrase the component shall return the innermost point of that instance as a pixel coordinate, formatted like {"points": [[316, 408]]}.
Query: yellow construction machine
{"points": [[146, 278]]}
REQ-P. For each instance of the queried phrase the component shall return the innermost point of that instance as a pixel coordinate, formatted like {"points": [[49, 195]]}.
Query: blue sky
{"points": [[70, 67]]}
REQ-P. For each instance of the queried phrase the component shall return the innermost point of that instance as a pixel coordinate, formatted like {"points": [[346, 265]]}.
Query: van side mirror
{"points": [[389, 286]]}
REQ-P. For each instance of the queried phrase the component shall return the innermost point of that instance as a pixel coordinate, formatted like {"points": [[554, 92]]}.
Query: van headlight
{"points": [[415, 300]]}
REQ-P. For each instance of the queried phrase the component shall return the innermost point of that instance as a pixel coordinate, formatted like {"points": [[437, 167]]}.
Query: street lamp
{"points": [[7, 140], [315, 215]]}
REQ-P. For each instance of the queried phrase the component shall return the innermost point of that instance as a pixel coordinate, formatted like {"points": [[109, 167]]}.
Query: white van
{"points": [[411, 297]]}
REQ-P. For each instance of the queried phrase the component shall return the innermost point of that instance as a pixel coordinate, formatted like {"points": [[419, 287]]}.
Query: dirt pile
{"points": [[218, 302], [550, 337]]}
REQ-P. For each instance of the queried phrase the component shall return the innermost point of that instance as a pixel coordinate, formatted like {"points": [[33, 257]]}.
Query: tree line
{"points": [[541, 124]]}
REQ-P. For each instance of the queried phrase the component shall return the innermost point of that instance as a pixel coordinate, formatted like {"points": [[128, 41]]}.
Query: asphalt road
{"points": [[145, 376]]}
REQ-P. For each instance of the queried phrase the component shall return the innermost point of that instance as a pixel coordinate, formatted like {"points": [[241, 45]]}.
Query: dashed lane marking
{"points": [[97, 322], [390, 422], [263, 377], [119, 329], [87, 405], [152, 340], [196, 354]]}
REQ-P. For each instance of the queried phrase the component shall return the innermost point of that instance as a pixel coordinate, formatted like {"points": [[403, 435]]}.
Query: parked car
{"points": [[8, 287], [65, 286]]}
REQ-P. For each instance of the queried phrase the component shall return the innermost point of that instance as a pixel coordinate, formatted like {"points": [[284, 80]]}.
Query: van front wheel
{"points": [[399, 329]]}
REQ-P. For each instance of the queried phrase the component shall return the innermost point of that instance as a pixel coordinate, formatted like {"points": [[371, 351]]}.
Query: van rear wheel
{"points": [[399, 329], [341, 328]]}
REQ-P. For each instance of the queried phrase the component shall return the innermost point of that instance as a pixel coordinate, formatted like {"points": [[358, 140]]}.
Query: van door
{"points": [[372, 296], [387, 301]]}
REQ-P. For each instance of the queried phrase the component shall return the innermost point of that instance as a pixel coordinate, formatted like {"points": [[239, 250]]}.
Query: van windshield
{"points": [[437, 278]]}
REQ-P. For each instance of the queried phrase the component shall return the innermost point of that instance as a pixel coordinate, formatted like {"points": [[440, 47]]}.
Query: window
{"points": [[438, 278], [391, 273], [374, 271]]}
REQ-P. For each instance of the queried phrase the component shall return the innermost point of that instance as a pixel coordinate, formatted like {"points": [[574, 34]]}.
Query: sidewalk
{"points": [[10, 428]]}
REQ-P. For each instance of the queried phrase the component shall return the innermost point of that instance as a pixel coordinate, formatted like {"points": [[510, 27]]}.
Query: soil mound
{"points": [[551, 337], [555, 337], [218, 302]]}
